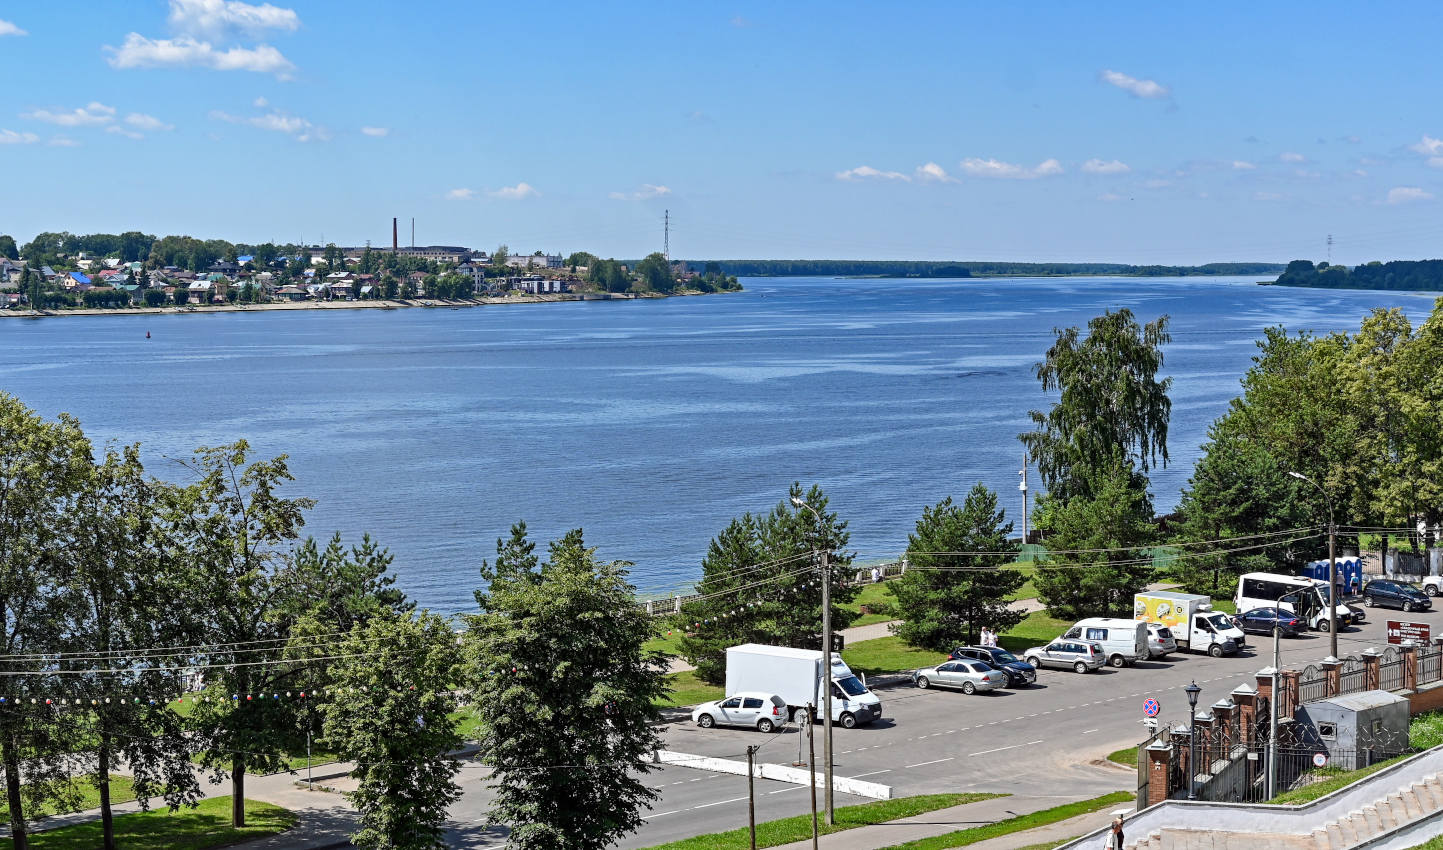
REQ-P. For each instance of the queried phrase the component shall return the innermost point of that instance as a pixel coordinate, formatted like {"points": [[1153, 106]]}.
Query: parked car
{"points": [[1259, 621], [1357, 614], [1081, 656], [1160, 641], [969, 676], [1395, 594], [1124, 641], [1019, 672], [766, 712], [1433, 585]]}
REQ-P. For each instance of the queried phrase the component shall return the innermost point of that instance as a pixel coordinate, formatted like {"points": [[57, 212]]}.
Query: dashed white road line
{"points": [[718, 803], [873, 773], [925, 763]]}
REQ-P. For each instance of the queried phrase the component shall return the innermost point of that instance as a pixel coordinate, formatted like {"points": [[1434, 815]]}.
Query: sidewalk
{"points": [[944, 821]]}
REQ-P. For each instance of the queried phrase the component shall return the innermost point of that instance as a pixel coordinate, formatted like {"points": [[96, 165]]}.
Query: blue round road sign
{"points": [[1150, 707]]}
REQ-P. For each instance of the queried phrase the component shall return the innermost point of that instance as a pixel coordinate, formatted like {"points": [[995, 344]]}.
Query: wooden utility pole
{"points": [[751, 798]]}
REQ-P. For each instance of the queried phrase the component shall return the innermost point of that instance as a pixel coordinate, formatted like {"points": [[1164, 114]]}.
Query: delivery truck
{"points": [[798, 676], [1191, 619]]}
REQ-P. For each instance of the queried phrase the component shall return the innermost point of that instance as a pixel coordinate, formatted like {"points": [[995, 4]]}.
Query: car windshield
{"points": [[1002, 656], [1220, 621], [852, 686]]}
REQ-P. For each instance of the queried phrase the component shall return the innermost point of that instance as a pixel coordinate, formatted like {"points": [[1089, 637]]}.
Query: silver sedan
{"points": [[969, 676]]}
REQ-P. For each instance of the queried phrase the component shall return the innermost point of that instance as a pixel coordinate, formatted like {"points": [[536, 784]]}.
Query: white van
{"points": [[1123, 641]]}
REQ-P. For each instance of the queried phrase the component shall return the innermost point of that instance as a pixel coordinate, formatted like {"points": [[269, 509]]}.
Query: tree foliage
{"points": [[760, 583], [565, 692], [955, 582]]}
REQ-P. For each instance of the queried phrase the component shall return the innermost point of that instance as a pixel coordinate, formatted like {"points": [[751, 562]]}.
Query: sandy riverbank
{"points": [[395, 304]]}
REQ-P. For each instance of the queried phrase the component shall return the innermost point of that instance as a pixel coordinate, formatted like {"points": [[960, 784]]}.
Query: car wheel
{"points": [[849, 720], [1407, 607], [765, 725], [706, 721], [923, 682], [1370, 602], [969, 688], [1035, 662], [1216, 650], [1430, 589], [1080, 667], [1117, 661], [1325, 625]]}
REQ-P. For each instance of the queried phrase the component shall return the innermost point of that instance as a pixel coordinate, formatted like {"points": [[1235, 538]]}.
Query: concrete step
{"points": [[1349, 830], [1432, 790], [1320, 839], [1387, 814], [1335, 835], [1371, 818], [1411, 806]]}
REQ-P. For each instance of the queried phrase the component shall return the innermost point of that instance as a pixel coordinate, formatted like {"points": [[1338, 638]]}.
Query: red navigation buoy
{"points": [[147, 334]]}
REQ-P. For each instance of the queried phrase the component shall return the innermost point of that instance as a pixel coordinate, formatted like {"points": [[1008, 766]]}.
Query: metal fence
{"points": [[1429, 667], [1354, 676], [1390, 670], [1312, 684]]}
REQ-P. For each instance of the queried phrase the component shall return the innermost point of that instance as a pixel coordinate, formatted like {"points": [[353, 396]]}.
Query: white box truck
{"points": [[796, 675], [1191, 619]]}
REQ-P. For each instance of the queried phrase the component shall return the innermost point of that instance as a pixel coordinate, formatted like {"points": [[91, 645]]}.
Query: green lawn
{"points": [[1434, 844], [1127, 757], [468, 725], [89, 796], [667, 640], [207, 825], [1049, 845], [687, 689], [785, 831], [1037, 629], [888, 655], [1336, 779], [872, 595], [964, 837]]}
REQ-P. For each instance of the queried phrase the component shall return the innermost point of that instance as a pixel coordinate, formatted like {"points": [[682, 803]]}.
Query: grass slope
{"points": [[120, 792], [964, 837], [777, 832], [687, 689], [1335, 779], [207, 825]]}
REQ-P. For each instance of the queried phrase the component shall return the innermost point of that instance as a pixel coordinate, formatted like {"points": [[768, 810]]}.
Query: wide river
{"points": [[650, 424]]}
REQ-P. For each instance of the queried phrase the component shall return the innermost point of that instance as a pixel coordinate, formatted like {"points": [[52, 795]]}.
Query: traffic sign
{"points": [[1150, 707], [1400, 631], [1320, 759]]}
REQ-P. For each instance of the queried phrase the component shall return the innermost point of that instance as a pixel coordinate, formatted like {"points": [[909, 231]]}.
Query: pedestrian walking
{"points": [[876, 575], [1114, 836], [988, 639]]}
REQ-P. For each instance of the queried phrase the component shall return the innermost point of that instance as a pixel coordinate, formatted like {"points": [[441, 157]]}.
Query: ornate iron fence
{"points": [[1312, 684], [1430, 663], [1390, 670], [1354, 676]]}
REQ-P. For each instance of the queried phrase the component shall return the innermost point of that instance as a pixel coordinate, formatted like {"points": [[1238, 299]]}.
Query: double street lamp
{"points": [[1333, 594], [822, 554]]}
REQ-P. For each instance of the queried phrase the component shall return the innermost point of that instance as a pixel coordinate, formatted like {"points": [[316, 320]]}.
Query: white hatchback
{"points": [[765, 712]]}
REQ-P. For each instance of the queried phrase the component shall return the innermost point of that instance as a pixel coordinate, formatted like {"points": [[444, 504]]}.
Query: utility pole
{"points": [[812, 766], [1333, 595], [826, 672], [751, 798], [1330, 249], [1023, 488], [666, 238]]}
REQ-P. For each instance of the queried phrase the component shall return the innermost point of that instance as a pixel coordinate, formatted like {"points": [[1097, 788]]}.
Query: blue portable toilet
{"points": [[1350, 574]]}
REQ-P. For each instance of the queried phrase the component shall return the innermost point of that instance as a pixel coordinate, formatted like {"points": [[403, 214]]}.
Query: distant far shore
{"points": [[386, 304]]}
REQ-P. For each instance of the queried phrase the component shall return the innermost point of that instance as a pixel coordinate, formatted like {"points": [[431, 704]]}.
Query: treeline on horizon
{"points": [[1393, 275], [973, 268]]}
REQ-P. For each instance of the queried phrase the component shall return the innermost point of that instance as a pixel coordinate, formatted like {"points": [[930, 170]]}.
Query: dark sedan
{"points": [[1395, 594], [1019, 672], [1260, 621]]}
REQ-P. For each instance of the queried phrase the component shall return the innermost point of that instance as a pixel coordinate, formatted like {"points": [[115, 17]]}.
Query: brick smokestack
{"points": [[394, 246]]}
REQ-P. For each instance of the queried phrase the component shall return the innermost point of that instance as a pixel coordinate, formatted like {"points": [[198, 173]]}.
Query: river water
{"points": [[650, 424]]}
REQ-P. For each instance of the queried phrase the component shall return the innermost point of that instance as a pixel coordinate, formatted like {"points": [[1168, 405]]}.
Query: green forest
{"points": [[1406, 275], [974, 268]]}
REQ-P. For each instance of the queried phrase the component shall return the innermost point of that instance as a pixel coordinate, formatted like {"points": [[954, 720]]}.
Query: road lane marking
{"points": [[718, 803], [1089, 731], [664, 814], [925, 763], [873, 773], [999, 749]]}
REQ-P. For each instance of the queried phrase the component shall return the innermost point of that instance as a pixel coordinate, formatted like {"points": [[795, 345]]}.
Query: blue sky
{"points": [[1148, 132]]}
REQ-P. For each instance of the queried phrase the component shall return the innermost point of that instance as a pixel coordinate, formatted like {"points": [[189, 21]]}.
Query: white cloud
{"points": [[997, 168], [1358, 172], [934, 173], [142, 121], [1407, 194], [646, 192], [1267, 196], [863, 172], [515, 193], [277, 122], [218, 19], [62, 142], [1428, 147], [1156, 183], [1243, 165], [1149, 89], [1098, 166], [376, 131], [1289, 156], [260, 103], [7, 28], [123, 131], [91, 114], [10, 137], [1109, 197], [460, 194], [141, 52]]}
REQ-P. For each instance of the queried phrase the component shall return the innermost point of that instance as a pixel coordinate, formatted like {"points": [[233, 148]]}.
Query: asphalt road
{"points": [[1049, 739]]}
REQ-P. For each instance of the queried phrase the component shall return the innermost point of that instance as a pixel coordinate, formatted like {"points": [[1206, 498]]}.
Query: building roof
{"points": [[1362, 701], [79, 278]]}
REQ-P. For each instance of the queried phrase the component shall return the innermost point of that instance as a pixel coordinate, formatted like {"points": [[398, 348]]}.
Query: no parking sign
{"points": [[1150, 707]]}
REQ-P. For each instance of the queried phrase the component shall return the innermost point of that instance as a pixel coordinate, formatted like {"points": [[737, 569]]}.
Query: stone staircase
{"points": [[1361, 826]]}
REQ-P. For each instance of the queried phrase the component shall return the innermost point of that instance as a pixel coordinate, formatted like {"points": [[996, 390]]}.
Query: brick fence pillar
{"points": [[1246, 699], [1288, 698], [1410, 666], [1371, 657], [1333, 668], [1224, 712], [1159, 762]]}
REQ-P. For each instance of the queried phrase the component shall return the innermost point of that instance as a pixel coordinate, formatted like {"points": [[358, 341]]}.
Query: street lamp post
{"points": [[1192, 691], [1273, 701], [1023, 487], [1333, 595], [822, 554]]}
